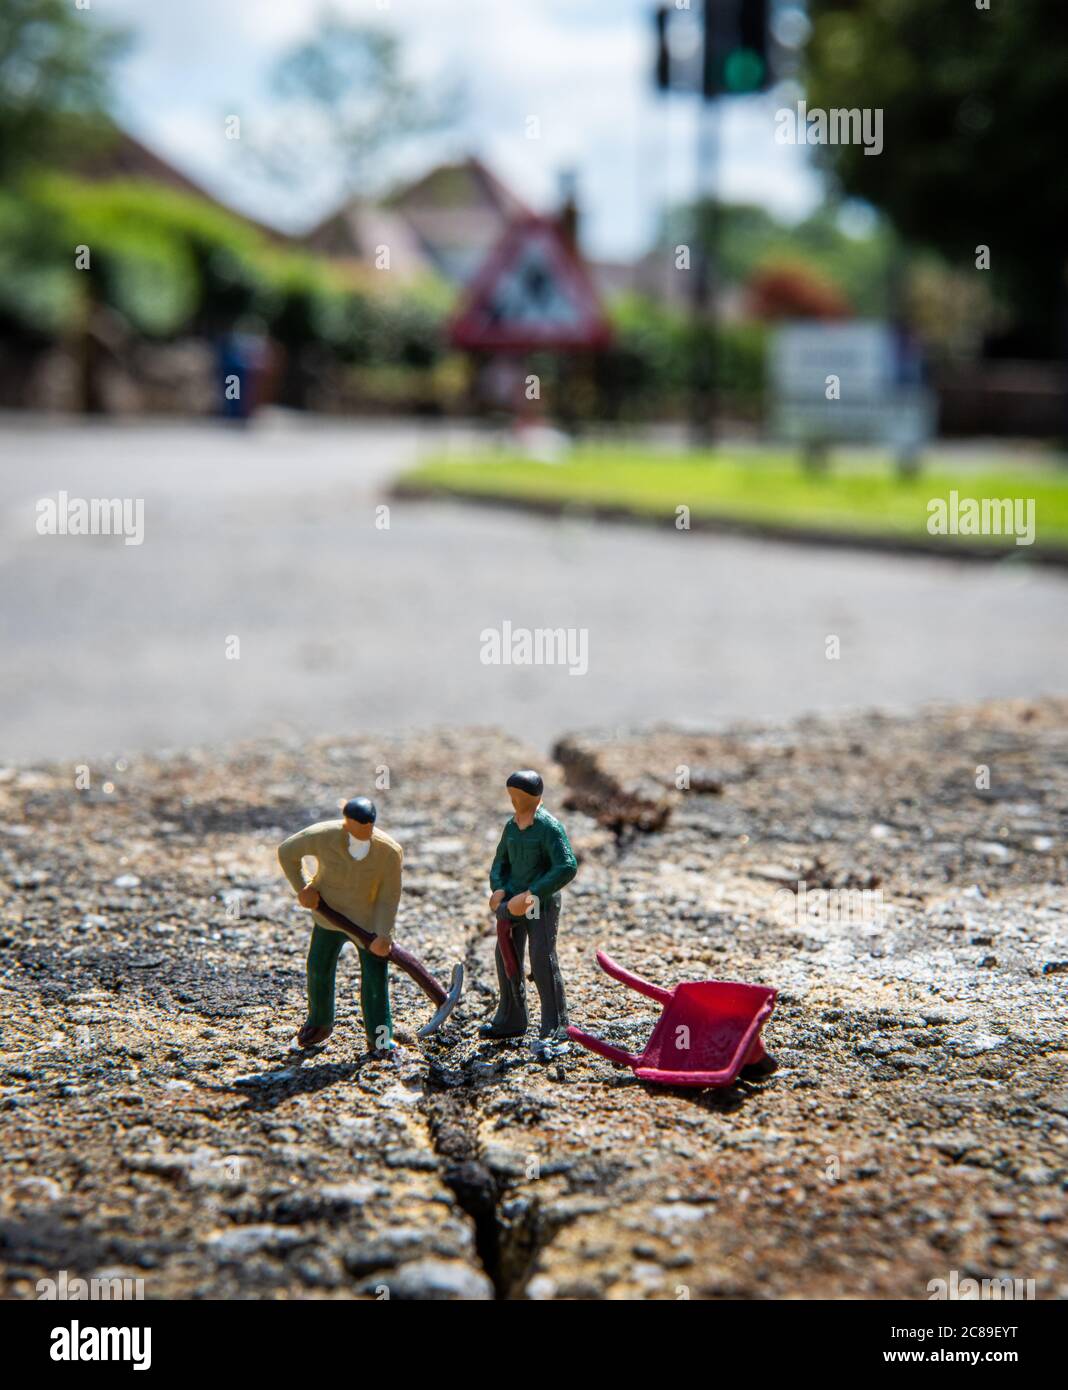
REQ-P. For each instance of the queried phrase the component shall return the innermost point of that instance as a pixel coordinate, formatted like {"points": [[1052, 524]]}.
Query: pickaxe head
{"points": [[447, 1005]]}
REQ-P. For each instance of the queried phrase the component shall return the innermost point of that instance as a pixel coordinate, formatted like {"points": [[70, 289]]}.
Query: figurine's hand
{"points": [[380, 946], [520, 903], [308, 897], [496, 899]]}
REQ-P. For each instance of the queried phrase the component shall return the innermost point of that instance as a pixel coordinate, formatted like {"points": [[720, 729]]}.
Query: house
{"points": [[360, 234], [444, 223], [458, 213]]}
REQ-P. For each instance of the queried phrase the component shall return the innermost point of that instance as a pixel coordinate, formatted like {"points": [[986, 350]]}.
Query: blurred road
{"points": [[270, 535]]}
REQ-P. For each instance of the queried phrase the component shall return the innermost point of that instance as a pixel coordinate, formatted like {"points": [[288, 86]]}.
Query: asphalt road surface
{"points": [[344, 626]]}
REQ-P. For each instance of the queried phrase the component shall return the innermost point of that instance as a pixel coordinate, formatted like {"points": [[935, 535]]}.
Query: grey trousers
{"points": [[511, 1015]]}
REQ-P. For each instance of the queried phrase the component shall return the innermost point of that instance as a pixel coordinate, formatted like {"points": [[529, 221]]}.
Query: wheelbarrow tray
{"points": [[709, 1030]]}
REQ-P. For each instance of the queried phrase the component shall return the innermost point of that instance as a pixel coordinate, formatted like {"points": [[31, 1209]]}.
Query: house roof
{"points": [[448, 221], [355, 232], [468, 183], [119, 155]]}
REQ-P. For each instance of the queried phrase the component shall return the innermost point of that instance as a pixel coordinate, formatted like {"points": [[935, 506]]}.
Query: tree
{"points": [[751, 238], [793, 289], [54, 87], [972, 101], [341, 101]]}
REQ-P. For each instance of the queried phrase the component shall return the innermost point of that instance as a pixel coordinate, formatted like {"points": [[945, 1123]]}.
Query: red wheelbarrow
{"points": [[708, 1032]]}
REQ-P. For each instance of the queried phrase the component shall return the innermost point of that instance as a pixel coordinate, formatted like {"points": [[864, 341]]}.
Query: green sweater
{"points": [[537, 860]]}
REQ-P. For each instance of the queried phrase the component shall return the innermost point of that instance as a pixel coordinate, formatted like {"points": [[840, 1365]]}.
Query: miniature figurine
{"points": [[534, 860], [358, 875]]}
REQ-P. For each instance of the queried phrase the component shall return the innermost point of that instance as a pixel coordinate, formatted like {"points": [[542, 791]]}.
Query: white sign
{"points": [[855, 381]]}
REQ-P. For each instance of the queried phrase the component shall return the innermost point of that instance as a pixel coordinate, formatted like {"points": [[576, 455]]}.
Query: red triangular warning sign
{"points": [[532, 292]]}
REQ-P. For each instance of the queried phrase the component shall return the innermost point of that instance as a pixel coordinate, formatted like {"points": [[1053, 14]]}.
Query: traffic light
{"points": [[731, 58], [747, 67], [736, 48]]}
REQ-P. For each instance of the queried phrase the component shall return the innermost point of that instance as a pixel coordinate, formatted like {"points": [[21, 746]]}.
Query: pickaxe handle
{"points": [[444, 999], [507, 946]]}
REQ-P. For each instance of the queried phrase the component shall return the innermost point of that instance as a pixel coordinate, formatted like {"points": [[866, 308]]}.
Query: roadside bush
{"points": [[650, 368]]}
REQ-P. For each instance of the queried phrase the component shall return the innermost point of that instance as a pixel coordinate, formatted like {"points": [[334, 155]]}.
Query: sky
{"points": [[581, 67]]}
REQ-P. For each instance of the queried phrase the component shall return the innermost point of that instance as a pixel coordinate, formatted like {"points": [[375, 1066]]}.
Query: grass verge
{"points": [[865, 499]]}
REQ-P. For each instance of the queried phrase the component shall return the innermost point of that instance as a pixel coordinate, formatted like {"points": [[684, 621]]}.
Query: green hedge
{"points": [[171, 264]]}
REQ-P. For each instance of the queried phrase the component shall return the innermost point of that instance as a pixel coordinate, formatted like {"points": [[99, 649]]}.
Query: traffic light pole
{"points": [[705, 298], [734, 60]]}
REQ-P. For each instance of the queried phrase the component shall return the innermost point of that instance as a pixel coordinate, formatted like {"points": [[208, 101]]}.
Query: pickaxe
{"points": [[507, 949], [445, 999]]}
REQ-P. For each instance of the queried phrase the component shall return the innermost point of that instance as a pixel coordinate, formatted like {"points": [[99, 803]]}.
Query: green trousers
{"points": [[374, 987]]}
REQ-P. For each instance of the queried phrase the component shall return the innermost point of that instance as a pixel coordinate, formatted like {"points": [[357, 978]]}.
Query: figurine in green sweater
{"points": [[534, 860]]}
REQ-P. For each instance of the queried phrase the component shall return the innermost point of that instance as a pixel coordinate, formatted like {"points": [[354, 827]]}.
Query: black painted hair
{"points": [[527, 781], [361, 810]]}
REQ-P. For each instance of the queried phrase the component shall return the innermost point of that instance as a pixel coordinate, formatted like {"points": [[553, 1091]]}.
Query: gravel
{"points": [[151, 978]]}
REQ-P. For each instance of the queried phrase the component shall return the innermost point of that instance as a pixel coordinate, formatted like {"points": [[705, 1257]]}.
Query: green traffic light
{"points": [[743, 71]]}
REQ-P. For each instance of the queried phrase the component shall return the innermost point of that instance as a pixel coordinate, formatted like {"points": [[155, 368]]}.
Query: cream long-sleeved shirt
{"points": [[366, 890]]}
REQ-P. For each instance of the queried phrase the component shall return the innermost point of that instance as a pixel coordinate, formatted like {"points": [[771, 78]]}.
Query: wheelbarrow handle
{"points": [[613, 968], [614, 1054]]}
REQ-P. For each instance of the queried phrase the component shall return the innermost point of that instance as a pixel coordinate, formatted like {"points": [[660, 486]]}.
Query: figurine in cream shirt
{"points": [[359, 874]]}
